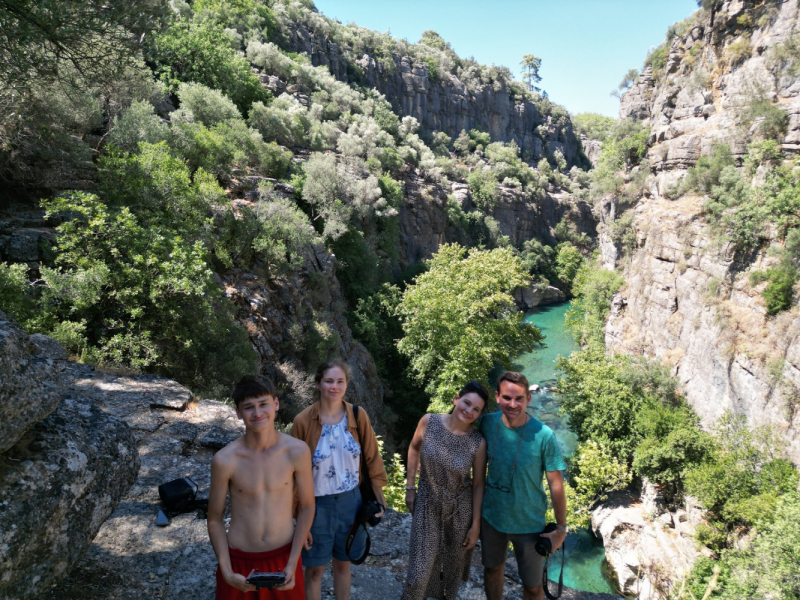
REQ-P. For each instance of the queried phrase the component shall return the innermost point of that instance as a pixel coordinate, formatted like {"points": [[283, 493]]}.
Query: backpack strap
{"points": [[364, 466], [358, 425]]}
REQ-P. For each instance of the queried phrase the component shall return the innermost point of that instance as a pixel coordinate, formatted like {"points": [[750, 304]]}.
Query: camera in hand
{"points": [[265, 580], [367, 513], [543, 545]]}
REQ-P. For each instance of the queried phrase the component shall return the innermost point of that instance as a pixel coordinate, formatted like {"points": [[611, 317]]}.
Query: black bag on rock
{"points": [[179, 496]]}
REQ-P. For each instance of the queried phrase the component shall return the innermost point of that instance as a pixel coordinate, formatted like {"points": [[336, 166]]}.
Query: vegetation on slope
{"points": [[143, 214]]}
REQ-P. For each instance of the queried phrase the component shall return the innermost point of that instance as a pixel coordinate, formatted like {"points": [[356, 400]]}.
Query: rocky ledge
{"points": [[64, 464], [132, 558], [649, 544]]}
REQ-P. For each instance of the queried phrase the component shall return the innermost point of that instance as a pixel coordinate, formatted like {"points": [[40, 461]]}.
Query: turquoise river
{"points": [[585, 554]]}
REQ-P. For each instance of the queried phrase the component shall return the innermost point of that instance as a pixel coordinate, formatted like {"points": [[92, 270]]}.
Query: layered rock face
{"points": [[66, 464], [646, 544], [687, 300], [291, 319], [711, 76], [447, 104], [30, 384], [424, 225]]}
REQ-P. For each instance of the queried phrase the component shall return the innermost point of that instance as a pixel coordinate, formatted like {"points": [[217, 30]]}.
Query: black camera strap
{"points": [[351, 537], [560, 577]]}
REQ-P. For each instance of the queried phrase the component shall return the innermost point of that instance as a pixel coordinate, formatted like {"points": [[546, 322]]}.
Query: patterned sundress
{"points": [[437, 560]]}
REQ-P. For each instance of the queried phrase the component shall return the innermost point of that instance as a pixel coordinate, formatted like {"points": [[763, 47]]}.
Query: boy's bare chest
{"points": [[255, 476]]}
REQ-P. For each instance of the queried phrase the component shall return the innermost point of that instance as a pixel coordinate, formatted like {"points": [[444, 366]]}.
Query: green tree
{"points": [[594, 472], [593, 125], [568, 262], [47, 40], [132, 283], [459, 319], [530, 71], [592, 288], [744, 476], [627, 81], [192, 51], [15, 292]]}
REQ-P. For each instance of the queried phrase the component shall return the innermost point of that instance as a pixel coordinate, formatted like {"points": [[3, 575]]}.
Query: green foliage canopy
{"points": [[593, 125], [193, 51], [459, 319], [48, 40]]}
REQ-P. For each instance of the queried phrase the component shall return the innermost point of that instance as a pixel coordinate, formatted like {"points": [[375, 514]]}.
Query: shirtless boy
{"points": [[262, 470]]}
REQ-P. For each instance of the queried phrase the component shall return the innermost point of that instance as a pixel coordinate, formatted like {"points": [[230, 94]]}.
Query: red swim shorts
{"points": [[272, 561]]}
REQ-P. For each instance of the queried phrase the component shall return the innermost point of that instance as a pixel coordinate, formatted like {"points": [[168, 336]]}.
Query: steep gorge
{"points": [[687, 300]]}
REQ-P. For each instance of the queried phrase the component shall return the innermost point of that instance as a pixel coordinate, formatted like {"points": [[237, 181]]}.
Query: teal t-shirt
{"points": [[515, 500]]}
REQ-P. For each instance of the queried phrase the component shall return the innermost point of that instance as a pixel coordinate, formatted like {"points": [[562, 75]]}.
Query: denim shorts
{"points": [[333, 519]]}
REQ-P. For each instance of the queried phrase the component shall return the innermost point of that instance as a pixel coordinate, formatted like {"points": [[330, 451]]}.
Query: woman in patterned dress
{"points": [[447, 508], [336, 438]]}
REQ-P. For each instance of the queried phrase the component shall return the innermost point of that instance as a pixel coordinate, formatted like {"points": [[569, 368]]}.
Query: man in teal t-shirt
{"points": [[521, 451]]}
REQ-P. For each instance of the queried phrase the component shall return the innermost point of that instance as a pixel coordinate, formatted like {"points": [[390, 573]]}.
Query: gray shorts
{"points": [[494, 551]]}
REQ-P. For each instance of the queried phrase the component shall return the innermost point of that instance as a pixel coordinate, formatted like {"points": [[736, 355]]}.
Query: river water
{"points": [[585, 553]]}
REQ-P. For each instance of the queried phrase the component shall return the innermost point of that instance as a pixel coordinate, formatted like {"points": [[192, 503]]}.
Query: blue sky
{"points": [[586, 46]]}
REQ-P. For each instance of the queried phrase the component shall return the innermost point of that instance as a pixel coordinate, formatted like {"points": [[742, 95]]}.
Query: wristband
{"points": [[411, 487], [562, 528]]}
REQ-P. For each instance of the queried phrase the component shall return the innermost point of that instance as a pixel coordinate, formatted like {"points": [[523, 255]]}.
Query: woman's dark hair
{"points": [[473, 387], [253, 386], [327, 366], [476, 388]]}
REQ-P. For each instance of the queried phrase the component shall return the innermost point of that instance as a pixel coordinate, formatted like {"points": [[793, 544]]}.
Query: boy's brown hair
{"points": [[515, 378], [253, 386]]}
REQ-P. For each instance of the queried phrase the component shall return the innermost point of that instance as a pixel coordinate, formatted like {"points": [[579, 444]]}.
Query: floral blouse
{"points": [[336, 461]]}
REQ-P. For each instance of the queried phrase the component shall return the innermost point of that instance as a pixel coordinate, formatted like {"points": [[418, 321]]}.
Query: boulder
{"points": [[58, 484], [647, 555], [131, 557], [528, 298], [29, 381]]}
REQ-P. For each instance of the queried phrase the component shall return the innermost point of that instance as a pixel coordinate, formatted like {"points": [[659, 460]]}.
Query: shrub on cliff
{"points": [[204, 105], [459, 319], [483, 185], [226, 146], [592, 288], [744, 476], [767, 567], [593, 125], [624, 148], [16, 293], [568, 262], [779, 293], [594, 472], [132, 283], [197, 51]]}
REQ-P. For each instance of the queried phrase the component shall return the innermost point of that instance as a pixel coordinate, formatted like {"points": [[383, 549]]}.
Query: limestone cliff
{"points": [[424, 225], [687, 300], [440, 103]]}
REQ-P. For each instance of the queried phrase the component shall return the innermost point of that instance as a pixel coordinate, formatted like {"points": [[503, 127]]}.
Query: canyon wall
{"points": [[687, 299], [445, 103]]}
